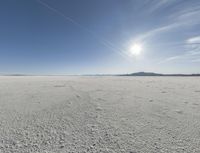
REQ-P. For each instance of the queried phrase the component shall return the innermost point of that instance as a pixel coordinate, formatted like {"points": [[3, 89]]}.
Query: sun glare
{"points": [[136, 49]]}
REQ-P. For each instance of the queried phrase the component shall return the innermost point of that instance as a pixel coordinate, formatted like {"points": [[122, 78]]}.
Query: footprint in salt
{"points": [[98, 108], [179, 111]]}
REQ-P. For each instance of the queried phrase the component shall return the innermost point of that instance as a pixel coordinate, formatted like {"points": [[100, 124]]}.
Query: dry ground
{"points": [[99, 114]]}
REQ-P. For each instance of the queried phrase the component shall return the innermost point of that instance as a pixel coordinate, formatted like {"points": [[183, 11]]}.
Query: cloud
{"points": [[186, 12], [194, 40], [157, 5], [196, 60], [156, 31], [100, 40], [192, 53], [187, 57], [179, 17]]}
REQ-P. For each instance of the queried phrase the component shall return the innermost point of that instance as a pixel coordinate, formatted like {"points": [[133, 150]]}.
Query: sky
{"points": [[61, 37]]}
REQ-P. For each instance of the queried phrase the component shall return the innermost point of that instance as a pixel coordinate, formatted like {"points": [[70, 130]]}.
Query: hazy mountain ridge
{"points": [[156, 74]]}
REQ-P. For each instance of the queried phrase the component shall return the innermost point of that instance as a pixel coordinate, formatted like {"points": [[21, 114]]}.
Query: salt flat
{"points": [[58, 114]]}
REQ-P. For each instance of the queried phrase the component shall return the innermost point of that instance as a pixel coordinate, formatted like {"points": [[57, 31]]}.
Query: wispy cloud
{"points": [[156, 31], [161, 4], [100, 40], [194, 40], [182, 16], [186, 12], [192, 53], [196, 60]]}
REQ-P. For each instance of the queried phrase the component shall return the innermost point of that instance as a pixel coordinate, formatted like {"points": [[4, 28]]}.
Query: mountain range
{"points": [[156, 74]]}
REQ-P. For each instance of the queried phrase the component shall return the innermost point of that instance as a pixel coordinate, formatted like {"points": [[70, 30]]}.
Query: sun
{"points": [[136, 49]]}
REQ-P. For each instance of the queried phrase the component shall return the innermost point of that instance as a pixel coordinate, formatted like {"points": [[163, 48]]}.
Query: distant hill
{"points": [[156, 74]]}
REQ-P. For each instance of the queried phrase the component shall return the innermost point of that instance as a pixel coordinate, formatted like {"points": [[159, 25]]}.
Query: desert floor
{"points": [[49, 114]]}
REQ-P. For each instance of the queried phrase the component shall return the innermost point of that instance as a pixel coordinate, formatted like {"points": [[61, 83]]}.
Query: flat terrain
{"points": [[99, 114]]}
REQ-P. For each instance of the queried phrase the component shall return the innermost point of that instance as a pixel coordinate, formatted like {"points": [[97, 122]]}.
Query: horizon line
{"points": [[107, 74]]}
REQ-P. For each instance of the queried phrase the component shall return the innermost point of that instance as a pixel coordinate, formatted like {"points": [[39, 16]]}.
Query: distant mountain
{"points": [[144, 74], [156, 74]]}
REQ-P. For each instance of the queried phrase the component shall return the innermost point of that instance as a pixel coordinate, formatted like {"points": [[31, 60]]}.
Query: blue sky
{"points": [[96, 36]]}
